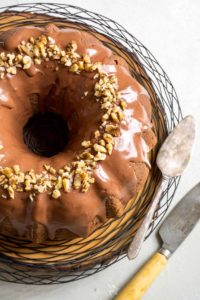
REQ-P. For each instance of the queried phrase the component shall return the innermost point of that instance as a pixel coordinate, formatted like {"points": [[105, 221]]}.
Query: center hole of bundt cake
{"points": [[46, 134]]}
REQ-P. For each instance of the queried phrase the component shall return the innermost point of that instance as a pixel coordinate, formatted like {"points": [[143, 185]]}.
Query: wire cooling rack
{"points": [[61, 261]]}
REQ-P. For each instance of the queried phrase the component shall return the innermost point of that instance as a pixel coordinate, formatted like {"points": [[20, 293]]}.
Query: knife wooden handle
{"points": [[139, 284]]}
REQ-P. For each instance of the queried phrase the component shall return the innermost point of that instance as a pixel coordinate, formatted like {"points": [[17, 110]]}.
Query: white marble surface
{"points": [[170, 29]]}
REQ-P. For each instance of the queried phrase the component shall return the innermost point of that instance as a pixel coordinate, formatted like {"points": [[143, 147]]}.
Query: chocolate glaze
{"points": [[41, 89]]}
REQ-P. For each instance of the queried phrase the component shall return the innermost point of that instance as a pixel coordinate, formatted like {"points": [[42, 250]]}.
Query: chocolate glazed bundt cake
{"points": [[74, 137]]}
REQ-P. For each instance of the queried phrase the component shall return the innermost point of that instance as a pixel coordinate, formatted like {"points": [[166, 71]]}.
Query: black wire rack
{"points": [[22, 262]]}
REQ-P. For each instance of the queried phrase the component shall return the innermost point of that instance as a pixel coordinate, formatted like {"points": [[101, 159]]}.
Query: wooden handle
{"points": [[139, 284]]}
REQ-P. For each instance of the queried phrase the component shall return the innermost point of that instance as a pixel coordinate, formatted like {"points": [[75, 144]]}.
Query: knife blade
{"points": [[182, 219], [174, 230]]}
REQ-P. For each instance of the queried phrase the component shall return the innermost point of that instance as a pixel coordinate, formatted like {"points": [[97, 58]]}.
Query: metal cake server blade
{"points": [[174, 230], [180, 222], [172, 160]]}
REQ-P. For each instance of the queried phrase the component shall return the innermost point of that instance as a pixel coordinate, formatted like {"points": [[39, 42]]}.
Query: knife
{"points": [[176, 227]]}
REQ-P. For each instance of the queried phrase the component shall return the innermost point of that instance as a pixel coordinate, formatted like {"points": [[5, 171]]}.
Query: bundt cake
{"points": [[74, 137]]}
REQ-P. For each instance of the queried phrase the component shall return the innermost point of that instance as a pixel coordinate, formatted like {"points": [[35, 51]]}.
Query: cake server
{"points": [[176, 227], [172, 159]]}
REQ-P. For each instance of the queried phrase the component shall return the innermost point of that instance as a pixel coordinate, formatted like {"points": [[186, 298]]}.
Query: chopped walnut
{"points": [[99, 148], [56, 194], [86, 144]]}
